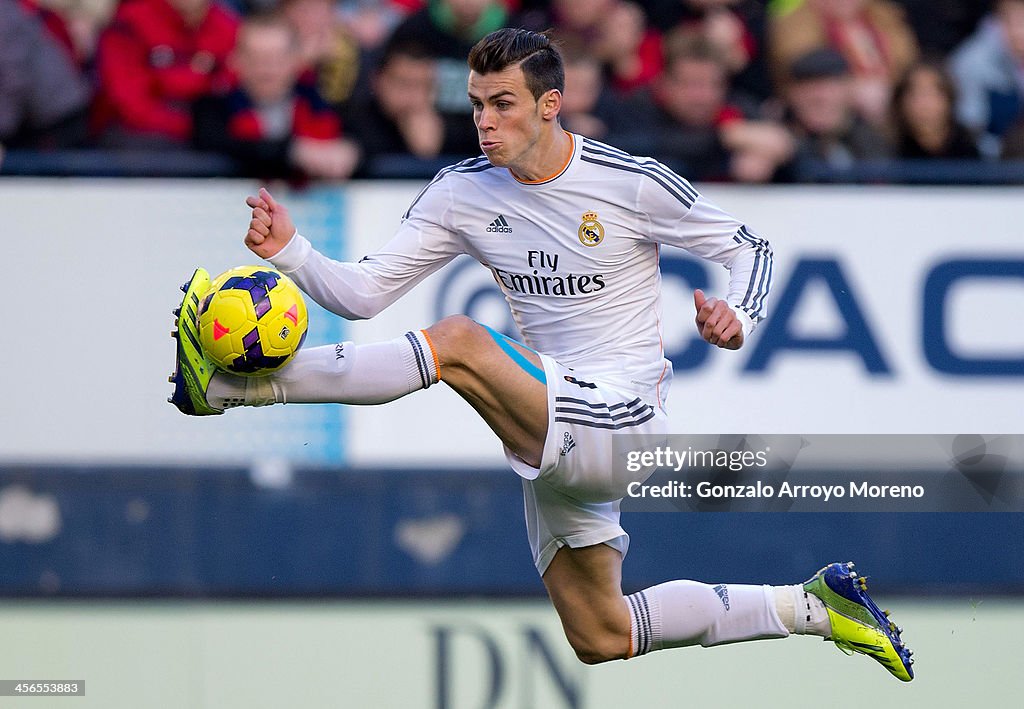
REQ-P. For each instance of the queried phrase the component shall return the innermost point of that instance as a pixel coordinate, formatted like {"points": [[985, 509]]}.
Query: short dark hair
{"points": [[534, 52], [824, 63]]}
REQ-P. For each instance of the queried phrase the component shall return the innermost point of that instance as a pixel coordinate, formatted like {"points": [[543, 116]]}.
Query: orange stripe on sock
{"points": [[433, 352]]}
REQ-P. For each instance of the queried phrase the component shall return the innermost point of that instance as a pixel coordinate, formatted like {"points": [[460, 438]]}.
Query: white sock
{"points": [[344, 374], [802, 613], [682, 613]]}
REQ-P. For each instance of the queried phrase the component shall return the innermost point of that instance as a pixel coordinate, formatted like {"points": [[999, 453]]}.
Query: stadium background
{"points": [[326, 556], [377, 558]]}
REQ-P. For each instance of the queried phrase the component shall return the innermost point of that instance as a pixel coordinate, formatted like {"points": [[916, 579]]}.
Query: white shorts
{"points": [[573, 498]]}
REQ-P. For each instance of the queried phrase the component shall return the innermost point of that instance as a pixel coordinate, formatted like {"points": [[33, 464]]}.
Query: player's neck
{"points": [[548, 158]]}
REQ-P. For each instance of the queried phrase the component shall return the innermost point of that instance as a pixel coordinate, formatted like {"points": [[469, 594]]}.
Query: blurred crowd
{"points": [[726, 90]]}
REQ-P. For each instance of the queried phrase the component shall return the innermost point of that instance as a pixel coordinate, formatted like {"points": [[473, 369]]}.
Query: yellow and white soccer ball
{"points": [[252, 321]]}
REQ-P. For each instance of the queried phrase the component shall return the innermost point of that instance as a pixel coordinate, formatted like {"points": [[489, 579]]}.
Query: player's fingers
{"points": [[259, 227], [254, 238], [253, 201], [706, 310], [720, 318], [698, 299], [260, 214], [726, 319], [723, 327], [732, 337], [266, 197], [707, 330]]}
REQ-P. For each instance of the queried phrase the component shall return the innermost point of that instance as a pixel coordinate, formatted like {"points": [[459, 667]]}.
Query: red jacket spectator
{"points": [[272, 123], [157, 57], [311, 117], [232, 124]]}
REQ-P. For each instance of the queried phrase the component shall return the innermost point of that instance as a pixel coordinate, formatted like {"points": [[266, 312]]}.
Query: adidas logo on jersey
{"points": [[499, 226], [567, 444]]}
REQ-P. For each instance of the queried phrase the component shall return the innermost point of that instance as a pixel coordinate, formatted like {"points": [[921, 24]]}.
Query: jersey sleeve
{"points": [[679, 216], [424, 243]]}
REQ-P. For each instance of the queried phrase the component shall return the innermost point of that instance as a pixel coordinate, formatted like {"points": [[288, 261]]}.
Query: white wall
{"points": [[92, 269]]}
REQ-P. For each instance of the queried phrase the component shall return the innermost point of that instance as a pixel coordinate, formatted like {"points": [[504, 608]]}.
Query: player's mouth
{"points": [[486, 145]]}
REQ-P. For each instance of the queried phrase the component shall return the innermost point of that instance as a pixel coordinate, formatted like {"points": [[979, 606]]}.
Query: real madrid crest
{"points": [[591, 231]]}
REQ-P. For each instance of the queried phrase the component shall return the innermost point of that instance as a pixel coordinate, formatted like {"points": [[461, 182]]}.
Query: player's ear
{"points": [[550, 104]]}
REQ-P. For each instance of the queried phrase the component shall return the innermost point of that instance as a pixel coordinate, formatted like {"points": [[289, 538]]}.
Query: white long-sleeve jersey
{"points": [[575, 254]]}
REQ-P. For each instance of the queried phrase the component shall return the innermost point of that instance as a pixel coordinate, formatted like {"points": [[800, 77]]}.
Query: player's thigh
{"points": [[502, 379], [585, 586]]}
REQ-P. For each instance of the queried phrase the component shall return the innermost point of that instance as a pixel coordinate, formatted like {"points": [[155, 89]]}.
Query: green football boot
{"points": [[858, 625], [192, 372]]}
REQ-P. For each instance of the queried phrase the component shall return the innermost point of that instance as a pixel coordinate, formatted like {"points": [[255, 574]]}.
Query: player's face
{"points": [[508, 119]]}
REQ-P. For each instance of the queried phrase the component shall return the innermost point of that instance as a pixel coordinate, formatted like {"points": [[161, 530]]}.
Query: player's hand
{"points": [[717, 322], [270, 228]]}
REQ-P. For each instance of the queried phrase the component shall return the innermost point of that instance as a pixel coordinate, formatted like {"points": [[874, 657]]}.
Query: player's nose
{"points": [[485, 120]]}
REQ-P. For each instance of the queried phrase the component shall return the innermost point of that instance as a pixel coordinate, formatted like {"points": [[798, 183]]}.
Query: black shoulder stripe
{"points": [[601, 149], [652, 166], [476, 164], [641, 171], [598, 145], [476, 168]]}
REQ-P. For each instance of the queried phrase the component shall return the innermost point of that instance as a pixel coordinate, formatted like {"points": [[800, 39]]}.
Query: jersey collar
{"points": [[556, 175]]}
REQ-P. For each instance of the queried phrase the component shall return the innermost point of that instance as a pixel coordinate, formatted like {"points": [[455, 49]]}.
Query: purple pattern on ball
{"points": [[258, 284]]}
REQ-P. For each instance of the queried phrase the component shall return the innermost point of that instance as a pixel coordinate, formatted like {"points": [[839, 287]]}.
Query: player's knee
{"points": [[456, 337], [599, 647]]}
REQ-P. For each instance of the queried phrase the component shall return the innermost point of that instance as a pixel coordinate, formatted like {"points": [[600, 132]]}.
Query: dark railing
{"points": [[95, 531]]}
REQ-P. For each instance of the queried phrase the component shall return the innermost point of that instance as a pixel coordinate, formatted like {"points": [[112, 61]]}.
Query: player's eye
{"points": [[502, 105]]}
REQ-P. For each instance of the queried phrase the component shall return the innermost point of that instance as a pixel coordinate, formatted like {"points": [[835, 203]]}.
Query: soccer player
{"points": [[570, 229]]}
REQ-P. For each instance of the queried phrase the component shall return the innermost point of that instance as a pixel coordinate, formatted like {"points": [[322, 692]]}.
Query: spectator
{"points": [[448, 29], [77, 24], [271, 124], [154, 60], [589, 107], [736, 27], [54, 23], [399, 115], [576, 22], [988, 70], [371, 22], [941, 25], [614, 31], [823, 116], [871, 35], [580, 24], [923, 116], [631, 51], [43, 97], [331, 56], [695, 126]]}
